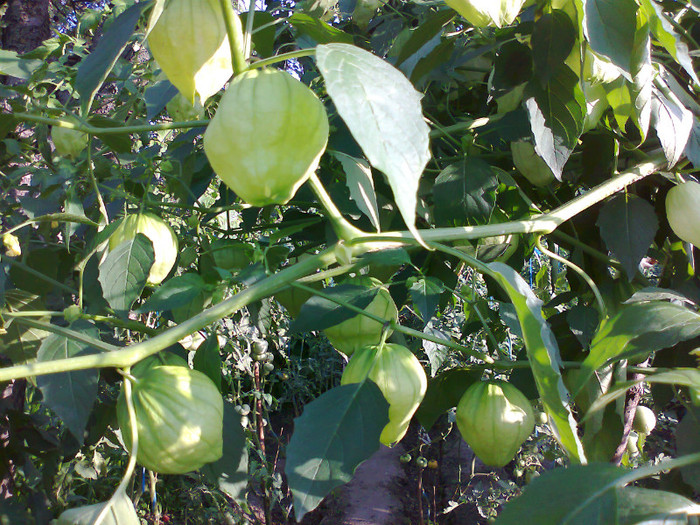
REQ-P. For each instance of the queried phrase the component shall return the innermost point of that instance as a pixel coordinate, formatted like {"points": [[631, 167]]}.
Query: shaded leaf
{"points": [[94, 68], [358, 176], [15, 66], [673, 124], [20, 343], [230, 472], [318, 312], [553, 39], [437, 353], [628, 225], [69, 394], [465, 193], [610, 27], [425, 294], [557, 112], [336, 432], [318, 30], [179, 291], [443, 393]]}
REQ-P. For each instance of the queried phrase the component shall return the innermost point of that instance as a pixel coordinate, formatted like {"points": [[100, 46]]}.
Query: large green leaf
{"points": [[628, 225], [465, 193], [15, 66], [318, 30], [69, 394], [425, 294], [336, 433], [231, 470], [175, 292], [543, 354], [637, 330], [120, 511], [556, 112], [673, 123], [20, 343], [590, 495], [358, 176], [207, 359], [124, 272], [664, 32], [319, 313], [553, 38], [610, 27], [93, 70], [383, 112]]}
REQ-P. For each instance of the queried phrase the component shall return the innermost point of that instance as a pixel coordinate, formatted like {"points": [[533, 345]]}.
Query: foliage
{"points": [[503, 173]]}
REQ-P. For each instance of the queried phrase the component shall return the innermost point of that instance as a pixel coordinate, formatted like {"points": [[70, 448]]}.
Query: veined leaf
{"points": [[543, 354]]}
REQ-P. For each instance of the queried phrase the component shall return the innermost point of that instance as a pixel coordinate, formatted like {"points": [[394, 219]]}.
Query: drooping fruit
{"points": [[161, 235], [644, 420], [483, 13], [494, 418], [68, 142], [267, 136], [190, 44], [179, 416], [683, 211], [356, 332], [530, 164], [400, 377]]}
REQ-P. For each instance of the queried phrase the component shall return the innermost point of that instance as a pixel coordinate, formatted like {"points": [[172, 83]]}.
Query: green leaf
{"points": [[231, 470], [443, 393], [124, 272], [383, 112], [20, 343], [586, 495], [317, 30], [15, 66], [176, 292], [543, 354], [93, 70], [69, 394], [120, 512], [437, 353], [636, 330], [425, 294], [610, 27], [319, 313], [336, 433], [465, 193], [673, 124], [553, 38], [358, 176], [645, 506], [426, 31], [628, 225], [664, 32], [263, 39], [679, 376], [557, 112], [207, 359]]}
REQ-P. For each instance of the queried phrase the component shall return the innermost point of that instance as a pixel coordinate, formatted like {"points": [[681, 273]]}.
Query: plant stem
{"points": [[94, 130], [283, 57], [120, 357], [343, 229], [234, 29]]}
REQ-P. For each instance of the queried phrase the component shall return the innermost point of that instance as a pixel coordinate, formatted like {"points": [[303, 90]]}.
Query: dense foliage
{"points": [[499, 196]]}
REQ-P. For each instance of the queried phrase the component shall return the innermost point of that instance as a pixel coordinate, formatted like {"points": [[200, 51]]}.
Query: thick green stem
{"points": [[117, 357], [235, 37], [94, 130], [343, 229]]}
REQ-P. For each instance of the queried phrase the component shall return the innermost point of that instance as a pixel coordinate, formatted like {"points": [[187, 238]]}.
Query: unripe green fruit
{"points": [[190, 44], [405, 458], [121, 512], [530, 164], [683, 211], [72, 313], [267, 136], [495, 418], [359, 331], [483, 13], [632, 445], [694, 394], [161, 235], [179, 416], [400, 377], [68, 142], [421, 462], [12, 247], [181, 109], [644, 420]]}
